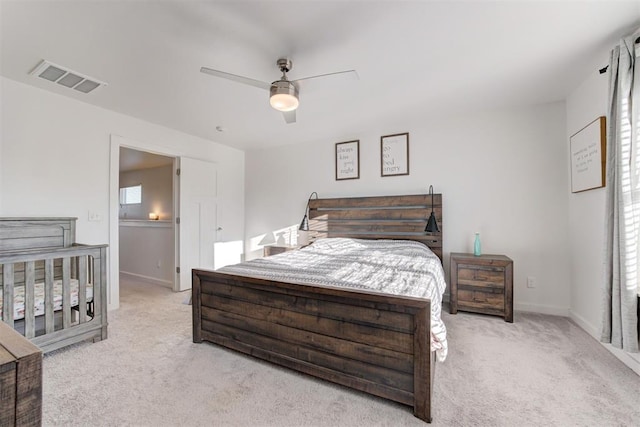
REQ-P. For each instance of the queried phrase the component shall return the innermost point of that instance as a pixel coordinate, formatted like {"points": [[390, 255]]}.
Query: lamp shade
{"points": [[284, 96], [304, 225], [432, 224]]}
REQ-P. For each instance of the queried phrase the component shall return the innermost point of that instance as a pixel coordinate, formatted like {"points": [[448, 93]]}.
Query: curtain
{"points": [[622, 251]]}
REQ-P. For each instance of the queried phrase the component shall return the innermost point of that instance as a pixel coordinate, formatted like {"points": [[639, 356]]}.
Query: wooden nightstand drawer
{"points": [[482, 284], [482, 301], [480, 275]]}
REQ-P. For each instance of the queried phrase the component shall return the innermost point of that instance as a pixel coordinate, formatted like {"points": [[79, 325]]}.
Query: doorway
{"points": [[146, 217], [195, 207]]}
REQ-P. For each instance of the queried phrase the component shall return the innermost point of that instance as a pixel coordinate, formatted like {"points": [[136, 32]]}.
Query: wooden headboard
{"points": [[30, 233], [26, 233], [380, 217]]}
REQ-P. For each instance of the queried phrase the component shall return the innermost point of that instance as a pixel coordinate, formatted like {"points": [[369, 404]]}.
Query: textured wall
{"points": [[57, 158], [501, 173]]}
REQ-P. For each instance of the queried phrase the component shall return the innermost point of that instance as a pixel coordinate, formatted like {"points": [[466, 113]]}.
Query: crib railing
{"points": [[84, 263]]}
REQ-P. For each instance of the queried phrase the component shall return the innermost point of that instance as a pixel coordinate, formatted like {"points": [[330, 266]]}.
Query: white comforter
{"points": [[398, 267]]}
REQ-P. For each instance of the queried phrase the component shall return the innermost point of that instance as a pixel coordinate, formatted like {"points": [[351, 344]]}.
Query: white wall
{"points": [[147, 251], [586, 212], [56, 154], [1, 137], [502, 173], [157, 192], [587, 219]]}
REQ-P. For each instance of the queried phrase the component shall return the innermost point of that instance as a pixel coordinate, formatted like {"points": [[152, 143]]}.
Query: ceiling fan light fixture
{"points": [[284, 96], [283, 93]]}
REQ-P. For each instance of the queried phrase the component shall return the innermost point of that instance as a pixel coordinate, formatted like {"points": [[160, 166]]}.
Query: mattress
{"points": [[397, 267], [18, 299]]}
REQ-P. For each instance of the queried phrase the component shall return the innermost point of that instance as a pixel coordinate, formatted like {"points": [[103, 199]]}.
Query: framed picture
{"points": [[348, 160], [394, 154], [588, 156]]}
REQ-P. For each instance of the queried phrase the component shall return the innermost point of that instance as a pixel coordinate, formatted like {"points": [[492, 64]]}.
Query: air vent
{"points": [[65, 77]]}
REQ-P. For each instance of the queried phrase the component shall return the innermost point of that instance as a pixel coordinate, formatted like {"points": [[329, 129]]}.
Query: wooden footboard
{"points": [[20, 380], [375, 343]]}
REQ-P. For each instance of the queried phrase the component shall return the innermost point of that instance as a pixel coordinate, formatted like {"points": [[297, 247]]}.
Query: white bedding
{"points": [[398, 267], [18, 298]]}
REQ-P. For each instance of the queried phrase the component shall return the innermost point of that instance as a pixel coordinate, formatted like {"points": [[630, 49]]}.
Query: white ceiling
{"points": [[413, 58]]}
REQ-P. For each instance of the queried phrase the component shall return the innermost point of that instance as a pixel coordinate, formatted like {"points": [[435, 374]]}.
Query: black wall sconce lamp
{"points": [[432, 224], [304, 225]]}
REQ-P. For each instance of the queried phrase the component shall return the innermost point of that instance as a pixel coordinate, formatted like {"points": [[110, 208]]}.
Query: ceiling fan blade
{"points": [[236, 78], [309, 83], [289, 116]]}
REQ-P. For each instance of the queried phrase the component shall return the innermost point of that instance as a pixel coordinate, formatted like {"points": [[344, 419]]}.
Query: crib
{"points": [[52, 289]]}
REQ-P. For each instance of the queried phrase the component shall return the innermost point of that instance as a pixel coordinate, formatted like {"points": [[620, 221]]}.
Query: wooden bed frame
{"points": [[379, 344], [42, 250]]}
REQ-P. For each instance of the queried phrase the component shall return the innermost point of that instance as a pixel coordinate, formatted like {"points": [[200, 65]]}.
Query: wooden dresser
{"points": [[20, 380], [482, 284]]}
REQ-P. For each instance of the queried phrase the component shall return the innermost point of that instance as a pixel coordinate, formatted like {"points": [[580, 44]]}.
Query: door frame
{"points": [[116, 141]]}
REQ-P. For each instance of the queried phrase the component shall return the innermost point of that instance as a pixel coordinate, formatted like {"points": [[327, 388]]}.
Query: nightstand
{"points": [[278, 249], [482, 284]]}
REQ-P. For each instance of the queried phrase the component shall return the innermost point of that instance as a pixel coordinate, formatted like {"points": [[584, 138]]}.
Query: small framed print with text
{"points": [[588, 156], [347, 160], [394, 154]]}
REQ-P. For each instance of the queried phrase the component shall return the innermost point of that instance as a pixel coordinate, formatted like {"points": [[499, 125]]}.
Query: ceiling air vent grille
{"points": [[65, 77]]}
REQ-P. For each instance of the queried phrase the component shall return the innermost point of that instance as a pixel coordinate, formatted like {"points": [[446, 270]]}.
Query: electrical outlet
{"points": [[159, 264], [531, 282]]}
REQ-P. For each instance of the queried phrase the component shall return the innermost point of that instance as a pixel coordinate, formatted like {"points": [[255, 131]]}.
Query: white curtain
{"points": [[622, 251]]}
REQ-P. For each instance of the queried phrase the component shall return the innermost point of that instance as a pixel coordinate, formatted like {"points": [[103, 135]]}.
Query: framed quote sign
{"points": [[394, 154], [347, 160], [588, 156]]}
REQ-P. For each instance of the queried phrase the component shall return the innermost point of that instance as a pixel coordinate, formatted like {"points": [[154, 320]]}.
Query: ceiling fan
{"points": [[283, 92]]}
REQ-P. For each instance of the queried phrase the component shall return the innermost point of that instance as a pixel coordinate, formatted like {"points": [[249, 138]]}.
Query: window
{"points": [[131, 195]]}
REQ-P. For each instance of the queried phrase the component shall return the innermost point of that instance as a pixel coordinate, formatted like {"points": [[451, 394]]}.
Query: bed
{"points": [[366, 340], [52, 290]]}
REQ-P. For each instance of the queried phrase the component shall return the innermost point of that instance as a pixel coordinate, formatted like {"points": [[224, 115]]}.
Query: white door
{"points": [[197, 216]]}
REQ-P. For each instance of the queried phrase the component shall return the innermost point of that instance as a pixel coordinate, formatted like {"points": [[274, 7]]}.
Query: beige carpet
{"points": [[538, 371]]}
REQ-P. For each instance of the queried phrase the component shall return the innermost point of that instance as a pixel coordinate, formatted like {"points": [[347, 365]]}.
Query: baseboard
{"points": [[529, 308], [582, 322], [542, 309], [153, 280], [631, 360]]}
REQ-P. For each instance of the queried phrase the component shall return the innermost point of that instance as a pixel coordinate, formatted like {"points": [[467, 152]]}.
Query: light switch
{"points": [[94, 216]]}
